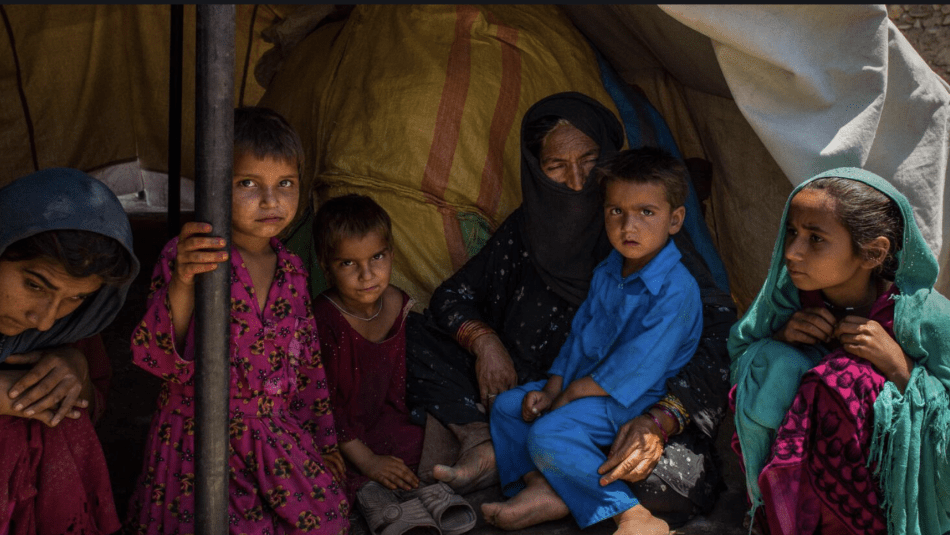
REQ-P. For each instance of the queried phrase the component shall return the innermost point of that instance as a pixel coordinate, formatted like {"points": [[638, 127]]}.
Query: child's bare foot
{"points": [[535, 504], [638, 521], [474, 470]]}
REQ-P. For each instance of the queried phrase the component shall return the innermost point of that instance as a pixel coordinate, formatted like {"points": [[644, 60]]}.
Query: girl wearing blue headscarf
{"points": [[66, 263]]}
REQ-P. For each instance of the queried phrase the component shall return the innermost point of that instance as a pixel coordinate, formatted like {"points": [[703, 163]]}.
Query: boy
{"points": [[640, 323]]}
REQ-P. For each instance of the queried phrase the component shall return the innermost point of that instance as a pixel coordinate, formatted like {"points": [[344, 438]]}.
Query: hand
{"points": [[334, 463], [51, 389], [808, 326], [868, 340], [493, 368], [197, 254], [391, 472], [533, 404], [636, 450]]}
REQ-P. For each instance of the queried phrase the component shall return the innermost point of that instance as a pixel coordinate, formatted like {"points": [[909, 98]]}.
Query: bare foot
{"points": [[475, 470], [638, 521], [535, 504]]}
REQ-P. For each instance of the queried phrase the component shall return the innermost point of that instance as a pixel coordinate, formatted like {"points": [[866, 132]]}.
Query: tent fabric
{"points": [[766, 94], [88, 84], [811, 88]]}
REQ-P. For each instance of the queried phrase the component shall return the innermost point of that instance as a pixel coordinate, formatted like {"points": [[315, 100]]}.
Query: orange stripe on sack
{"points": [[489, 194], [448, 120], [448, 125]]}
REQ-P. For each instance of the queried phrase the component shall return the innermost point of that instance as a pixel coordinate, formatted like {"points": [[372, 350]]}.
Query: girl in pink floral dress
{"points": [[284, 459]]}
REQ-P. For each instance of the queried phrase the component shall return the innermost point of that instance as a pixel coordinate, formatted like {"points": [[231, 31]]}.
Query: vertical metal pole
{"points": [[214, 147], [175, 61]]}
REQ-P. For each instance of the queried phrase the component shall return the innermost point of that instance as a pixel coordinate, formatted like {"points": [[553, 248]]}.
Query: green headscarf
{"points": [[911, 430]]}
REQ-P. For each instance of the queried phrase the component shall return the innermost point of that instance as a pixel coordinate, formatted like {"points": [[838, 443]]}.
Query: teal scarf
{"points": [[911, 430]]}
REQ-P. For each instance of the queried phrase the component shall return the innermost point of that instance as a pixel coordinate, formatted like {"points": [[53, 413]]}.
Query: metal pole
{"points": [[214, 147], [175, 61]]}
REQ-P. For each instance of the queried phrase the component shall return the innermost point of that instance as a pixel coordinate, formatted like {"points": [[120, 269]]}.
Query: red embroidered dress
{"points": [[280, 412]]}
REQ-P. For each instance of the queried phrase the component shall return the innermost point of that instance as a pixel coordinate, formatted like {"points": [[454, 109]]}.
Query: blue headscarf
{"points": [[65, 199]]}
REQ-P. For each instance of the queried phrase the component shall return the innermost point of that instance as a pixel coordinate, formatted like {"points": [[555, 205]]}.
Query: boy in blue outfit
{"points": [[640, 323]]}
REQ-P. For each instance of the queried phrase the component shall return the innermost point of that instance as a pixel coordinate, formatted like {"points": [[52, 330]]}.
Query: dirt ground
{"points": [[132, 396]]}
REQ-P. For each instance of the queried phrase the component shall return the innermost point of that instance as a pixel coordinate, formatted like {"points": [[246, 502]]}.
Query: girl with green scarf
{"points": [[841, 369]]}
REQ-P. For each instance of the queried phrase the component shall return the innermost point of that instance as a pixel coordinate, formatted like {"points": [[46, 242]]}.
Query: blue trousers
{"points": [[564, 445]]}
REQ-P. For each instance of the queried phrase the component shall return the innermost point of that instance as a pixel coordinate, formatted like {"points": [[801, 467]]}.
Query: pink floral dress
{"points": [[280, 413]]}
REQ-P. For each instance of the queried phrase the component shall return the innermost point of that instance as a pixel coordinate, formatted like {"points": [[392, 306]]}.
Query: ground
{"points": [[133, 392]]}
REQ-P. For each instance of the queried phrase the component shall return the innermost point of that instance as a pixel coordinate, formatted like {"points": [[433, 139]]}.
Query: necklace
{"points": [[352, 315], [860, 310]]}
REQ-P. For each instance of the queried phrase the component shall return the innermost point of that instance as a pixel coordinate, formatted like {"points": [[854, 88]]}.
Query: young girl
{"points": [[281, 432], [361, 321], [859, 443]]}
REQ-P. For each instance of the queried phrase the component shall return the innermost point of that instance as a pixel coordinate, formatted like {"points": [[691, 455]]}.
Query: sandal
{"points": [[452, 512], [386, 516]]}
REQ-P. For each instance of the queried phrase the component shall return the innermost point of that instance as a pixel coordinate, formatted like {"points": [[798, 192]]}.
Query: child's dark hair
{"points": [[348, 216], [644, 166], [866, 214], [81, 253], [265, 133]]}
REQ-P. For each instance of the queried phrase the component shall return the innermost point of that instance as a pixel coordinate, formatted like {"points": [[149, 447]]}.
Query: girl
{"points": [[857, 442], [281, 432], [66, 264], [361, 321]]}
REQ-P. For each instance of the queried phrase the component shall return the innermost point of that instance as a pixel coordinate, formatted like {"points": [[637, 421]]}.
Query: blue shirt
{"points": [[632, 334]]}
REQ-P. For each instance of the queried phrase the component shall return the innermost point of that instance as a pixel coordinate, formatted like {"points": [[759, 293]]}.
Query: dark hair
{"points": [[866, 214], [647, 165], [348, 216], [81, 253], [265, 133]]}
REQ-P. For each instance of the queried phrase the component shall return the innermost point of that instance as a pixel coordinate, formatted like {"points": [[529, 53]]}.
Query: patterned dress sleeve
{"points": [[480, 289], [153, 340], [311, 405]]}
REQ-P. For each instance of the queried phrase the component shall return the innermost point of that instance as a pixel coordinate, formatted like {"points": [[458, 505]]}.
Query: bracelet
{"points": [[674, 417], [471, 330], [657, 422]]}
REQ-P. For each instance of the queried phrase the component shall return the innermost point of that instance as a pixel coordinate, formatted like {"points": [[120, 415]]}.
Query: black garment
{"points": [[500, 287], [563, 229]]}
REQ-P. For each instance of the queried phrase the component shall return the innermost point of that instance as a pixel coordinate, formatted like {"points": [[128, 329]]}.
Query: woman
{"points": [[511, 306], [66, 263]]}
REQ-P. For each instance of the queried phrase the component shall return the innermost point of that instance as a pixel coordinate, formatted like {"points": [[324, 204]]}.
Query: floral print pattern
{"points": [[280, 418]]}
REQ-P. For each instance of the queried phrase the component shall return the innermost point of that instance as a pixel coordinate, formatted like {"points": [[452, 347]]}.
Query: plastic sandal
{"points": [[452, 512], [386, 516]]}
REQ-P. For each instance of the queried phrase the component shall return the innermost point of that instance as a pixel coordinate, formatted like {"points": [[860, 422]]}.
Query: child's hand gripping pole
{"points": [[196, 253]]}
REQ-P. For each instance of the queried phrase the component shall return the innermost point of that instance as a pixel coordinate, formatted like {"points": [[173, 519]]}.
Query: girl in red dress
{"points": [[361, 323]]}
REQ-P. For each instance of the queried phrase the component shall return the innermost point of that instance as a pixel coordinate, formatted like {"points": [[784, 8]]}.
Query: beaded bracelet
{"points": [[657, 422]]}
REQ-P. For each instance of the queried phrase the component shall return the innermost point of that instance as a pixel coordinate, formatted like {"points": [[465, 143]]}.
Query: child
{"points": [[640, 323], [281, 429], [361, 320], [841, 368]]}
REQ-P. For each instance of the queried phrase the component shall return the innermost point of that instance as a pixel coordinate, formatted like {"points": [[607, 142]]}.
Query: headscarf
{"points": [[65, 199], [911, 430], [563, 229]]}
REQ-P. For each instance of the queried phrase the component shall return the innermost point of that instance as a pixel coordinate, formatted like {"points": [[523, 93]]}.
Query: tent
{"points": [[419, 107], [761, 97]]}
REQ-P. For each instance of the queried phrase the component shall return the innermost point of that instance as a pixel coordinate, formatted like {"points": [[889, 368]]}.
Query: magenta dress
{"points": [[368, 387], [817, 479], [57, 480], [280, 412]]}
